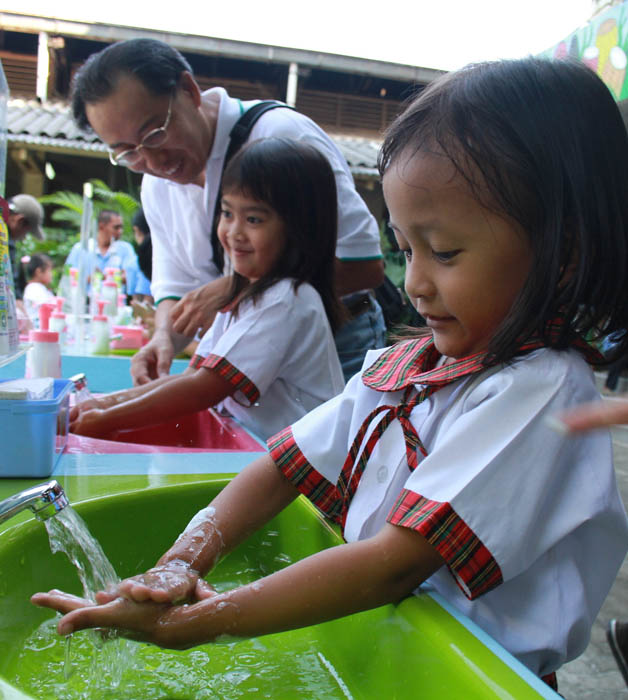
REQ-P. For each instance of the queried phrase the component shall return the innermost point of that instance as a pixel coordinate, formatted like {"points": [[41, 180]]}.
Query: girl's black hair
{"points": [[145, 249], [28, 268], [542, 143], [297, 181]]}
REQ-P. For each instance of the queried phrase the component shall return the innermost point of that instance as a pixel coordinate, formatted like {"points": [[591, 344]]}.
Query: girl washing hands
{"points": [[506, 188], [270, 356]]}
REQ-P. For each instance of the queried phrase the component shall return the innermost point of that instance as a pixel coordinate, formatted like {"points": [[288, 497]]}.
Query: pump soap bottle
{"points": [[43, 359], [58, 323], [100, 330]]}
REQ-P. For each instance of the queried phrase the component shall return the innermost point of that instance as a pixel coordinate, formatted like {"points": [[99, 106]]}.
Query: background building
{"points": [[353, 99]]}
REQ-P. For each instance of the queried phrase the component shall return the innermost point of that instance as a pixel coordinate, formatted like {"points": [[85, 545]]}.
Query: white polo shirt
{"points": [[180, 216], [529, 522], [278, 352]]}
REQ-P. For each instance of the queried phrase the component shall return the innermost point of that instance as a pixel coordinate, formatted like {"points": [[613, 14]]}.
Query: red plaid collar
{"points": [[414, 361]]}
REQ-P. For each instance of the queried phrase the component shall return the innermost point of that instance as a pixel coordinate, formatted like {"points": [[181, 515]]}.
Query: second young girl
{"points": [[506, 185], [38, 273], [269, 357]]}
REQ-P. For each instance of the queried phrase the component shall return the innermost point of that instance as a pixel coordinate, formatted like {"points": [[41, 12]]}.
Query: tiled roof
{"points": [[50, 124]]}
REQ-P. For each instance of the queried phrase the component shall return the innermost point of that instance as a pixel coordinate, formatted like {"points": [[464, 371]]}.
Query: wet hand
{"points": [[92, 423], [132, 620], [169, 626], [172, 582]]}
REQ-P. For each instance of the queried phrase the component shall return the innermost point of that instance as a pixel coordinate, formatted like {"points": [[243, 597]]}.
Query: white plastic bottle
{"points": [[100, 331], [58, 323], [109, 292], [43, 359]]}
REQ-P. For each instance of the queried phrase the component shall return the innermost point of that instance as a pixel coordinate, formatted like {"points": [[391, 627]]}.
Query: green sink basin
{"points": [[416, 649]]}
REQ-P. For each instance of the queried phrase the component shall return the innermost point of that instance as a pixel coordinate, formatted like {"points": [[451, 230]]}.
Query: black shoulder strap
{"points": [[237, 138]]}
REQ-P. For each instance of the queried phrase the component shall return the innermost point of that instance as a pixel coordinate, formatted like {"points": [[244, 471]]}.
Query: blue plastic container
{"points": [[33, 434]]}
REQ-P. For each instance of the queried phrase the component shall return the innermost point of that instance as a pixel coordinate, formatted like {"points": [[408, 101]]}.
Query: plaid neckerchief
{"points": [[401, 367]]}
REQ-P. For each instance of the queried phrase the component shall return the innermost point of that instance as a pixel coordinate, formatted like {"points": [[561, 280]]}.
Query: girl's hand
{"points": [[158, 623], [77, 409], [172, 582], [599, 414], [92, 423]]}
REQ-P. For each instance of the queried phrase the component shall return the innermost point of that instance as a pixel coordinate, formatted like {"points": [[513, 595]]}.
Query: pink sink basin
{"points": [[204, 431]]}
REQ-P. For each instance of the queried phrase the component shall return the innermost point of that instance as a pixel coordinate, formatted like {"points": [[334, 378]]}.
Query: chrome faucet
{"points": [[45, 500]]}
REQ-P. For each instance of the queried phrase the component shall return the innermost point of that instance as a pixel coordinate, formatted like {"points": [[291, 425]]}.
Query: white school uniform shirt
{"points": [[180, 216], [36, 294], [278, 352], [540, 512]]}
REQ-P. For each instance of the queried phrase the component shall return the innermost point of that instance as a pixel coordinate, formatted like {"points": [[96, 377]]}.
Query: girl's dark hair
{"points": [[28, 267], [158, 66], [297, 181], [145, 249], [542, 143]]}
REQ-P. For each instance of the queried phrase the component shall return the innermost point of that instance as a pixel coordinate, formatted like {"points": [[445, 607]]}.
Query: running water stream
{"points": [[69, 534]]}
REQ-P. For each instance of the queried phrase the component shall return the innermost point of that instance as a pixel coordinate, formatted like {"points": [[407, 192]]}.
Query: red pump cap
{"points": [[100, 316], [43, 335]]}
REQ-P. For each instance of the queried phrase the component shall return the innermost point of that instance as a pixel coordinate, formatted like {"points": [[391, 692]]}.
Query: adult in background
{"points": [[139, 96], [108, 250], [26, 215]]}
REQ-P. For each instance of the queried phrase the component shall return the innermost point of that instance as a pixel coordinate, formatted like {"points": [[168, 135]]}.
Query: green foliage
{"points": [[393, 258], [67, 213]]}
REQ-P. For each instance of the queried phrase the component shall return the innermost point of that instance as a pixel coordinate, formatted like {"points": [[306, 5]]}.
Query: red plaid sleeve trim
{"points": [[196, 361], [473, 566], [232, 374], [286, 454]]}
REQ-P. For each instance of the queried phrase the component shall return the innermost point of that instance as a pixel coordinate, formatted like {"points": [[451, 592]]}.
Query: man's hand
{"points": [[153, 360], [195, 312]]}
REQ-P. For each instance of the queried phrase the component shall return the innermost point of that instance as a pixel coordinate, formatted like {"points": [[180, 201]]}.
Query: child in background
{"points": [[269, 357], [38, 273], [507, 196]]}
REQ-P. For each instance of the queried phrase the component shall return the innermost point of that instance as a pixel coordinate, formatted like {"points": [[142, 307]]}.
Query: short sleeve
{"points": [[252, 348], [496, 469]]}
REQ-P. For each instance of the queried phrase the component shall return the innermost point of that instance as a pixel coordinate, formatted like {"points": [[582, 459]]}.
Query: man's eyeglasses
{"points": [[153, 139]]}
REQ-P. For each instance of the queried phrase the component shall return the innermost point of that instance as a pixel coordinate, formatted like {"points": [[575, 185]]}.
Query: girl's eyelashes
{"points": [[445, 255], [441, 256]]}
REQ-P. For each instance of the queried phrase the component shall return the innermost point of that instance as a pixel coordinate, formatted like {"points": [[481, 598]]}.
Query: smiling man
{"points": [[141, 99]]}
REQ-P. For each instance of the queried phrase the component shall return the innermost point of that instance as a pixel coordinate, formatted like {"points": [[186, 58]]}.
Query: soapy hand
{"points": [[158, 623], [172, 582]]}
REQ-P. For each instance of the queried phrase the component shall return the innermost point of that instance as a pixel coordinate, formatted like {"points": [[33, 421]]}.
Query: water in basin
{"points": [[415, 649]]}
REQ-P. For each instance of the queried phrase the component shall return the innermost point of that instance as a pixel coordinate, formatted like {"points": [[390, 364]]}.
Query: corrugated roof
{"points": [[50, 124]]}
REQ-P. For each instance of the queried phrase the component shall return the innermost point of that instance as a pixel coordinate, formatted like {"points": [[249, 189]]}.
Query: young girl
{"points": [[506, 188], [38, 271], [269, 357]]}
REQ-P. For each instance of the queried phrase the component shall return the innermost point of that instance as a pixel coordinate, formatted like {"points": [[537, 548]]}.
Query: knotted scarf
{"points": [[412, 366]]}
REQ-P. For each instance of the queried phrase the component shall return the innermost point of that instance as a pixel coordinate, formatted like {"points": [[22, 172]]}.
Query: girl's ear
{"points": [[190, 86]]}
